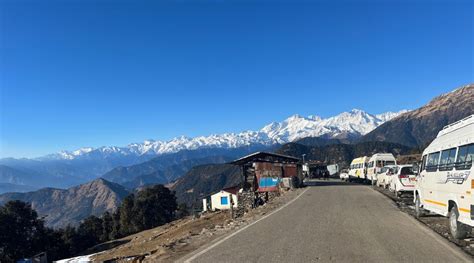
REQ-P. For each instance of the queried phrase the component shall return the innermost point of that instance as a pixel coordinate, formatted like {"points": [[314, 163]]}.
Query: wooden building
{"points": [[263, 171]]}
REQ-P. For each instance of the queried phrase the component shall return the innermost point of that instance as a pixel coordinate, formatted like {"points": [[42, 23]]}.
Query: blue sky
{"points": [[94, 73]]}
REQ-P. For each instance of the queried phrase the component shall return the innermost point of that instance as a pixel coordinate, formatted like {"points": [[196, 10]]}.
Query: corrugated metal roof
{"points": [[257, 155]]}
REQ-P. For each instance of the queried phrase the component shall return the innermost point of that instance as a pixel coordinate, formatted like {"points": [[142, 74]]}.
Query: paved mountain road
{"points": [[333, 222]]}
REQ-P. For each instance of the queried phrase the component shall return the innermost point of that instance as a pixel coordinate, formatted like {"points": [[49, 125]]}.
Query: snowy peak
{"points": [[355, 122], [389, 115]]}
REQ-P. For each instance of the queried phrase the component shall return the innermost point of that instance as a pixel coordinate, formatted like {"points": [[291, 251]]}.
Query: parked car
{"points": [[376, 163], [385, 175], [403, 180], [344, 175], [445, 182]]}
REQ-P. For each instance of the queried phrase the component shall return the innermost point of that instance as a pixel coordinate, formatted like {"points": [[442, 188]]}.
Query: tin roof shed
{"points": [[265, 157]]}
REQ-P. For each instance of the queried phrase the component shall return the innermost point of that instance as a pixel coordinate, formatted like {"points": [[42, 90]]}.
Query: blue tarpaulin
{"points": [[268, 184]]}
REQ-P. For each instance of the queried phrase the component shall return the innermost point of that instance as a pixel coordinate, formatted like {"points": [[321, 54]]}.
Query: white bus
{"points": [[445, 184], [377, 162], [358, 168]]}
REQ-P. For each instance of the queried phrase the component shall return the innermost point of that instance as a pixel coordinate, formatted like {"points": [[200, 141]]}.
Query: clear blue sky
{"points": [[84, 73]]}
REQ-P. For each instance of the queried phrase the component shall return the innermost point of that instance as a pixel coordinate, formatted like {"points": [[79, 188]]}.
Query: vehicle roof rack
{"points": [[456, 125]]}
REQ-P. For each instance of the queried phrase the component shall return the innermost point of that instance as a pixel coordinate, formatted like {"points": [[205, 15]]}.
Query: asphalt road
{"points": [[333, 221]]}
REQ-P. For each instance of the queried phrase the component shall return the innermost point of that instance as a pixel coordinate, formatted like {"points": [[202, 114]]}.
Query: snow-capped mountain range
{"points": [[355, 123]]}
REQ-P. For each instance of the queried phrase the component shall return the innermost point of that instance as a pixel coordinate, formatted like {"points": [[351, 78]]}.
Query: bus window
{"points": [[465, 156], [446, 162], [423, 163], [380, 164], [432, 165]]}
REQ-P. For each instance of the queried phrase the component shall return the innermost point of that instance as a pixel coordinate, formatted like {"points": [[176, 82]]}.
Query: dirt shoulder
{"points": [[174, 240]]}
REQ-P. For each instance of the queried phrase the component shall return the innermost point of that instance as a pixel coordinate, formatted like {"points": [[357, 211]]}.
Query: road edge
{"points": [[455, 249], [197, 253]]}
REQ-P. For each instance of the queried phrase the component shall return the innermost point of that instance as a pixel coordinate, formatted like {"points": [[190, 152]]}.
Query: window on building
{"points": [[465, 157], [224, 200]]}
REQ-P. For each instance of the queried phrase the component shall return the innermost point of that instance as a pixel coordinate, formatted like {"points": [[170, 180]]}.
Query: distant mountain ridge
{"points": [[419, 127], [62, 207], [167, 168], [69, 168], [355, 123]]}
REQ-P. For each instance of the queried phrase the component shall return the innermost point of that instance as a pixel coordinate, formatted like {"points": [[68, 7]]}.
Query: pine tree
{"points": [[116, 225], [107, 227], [21, 231], [91, 231], [126, 215], [153, 207]]}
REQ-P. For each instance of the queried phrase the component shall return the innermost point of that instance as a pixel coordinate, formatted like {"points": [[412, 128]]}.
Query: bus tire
{"points": [[458, 229]]}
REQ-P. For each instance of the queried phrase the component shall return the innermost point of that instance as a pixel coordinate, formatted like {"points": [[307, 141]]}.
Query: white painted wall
{"points": [[216, 200]]}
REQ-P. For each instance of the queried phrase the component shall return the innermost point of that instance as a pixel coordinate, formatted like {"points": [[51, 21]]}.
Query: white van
{"points": [[377, 162], [445, 184], [358, 168]]}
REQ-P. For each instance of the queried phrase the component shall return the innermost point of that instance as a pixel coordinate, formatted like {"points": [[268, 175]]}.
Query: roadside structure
{"points": [[263, 171], [263, 175], [223, 199]]}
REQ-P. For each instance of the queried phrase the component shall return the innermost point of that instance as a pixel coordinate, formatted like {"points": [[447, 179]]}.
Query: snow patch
{"points": [[80, 259]]}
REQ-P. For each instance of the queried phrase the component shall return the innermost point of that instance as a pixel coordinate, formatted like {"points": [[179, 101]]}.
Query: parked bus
{"points": [[445, 183], [376, 163], [358, 168]]}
